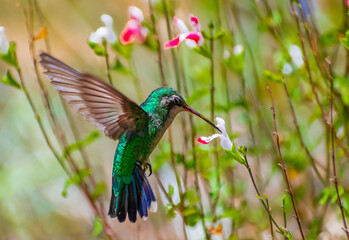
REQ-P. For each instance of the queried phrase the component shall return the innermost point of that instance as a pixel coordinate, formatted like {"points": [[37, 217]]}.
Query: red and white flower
{"points": [[192, 39], [106, 32], [134, 31], [4, 44], [225, 141]]}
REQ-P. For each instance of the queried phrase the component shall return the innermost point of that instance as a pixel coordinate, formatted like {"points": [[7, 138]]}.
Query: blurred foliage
{"points": [[52, 189]]}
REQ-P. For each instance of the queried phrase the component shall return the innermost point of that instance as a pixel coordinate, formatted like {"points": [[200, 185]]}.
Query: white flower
{"points": [[225, 141], [286, 69], [106, 32], [238, 49], [4, 44], [296, 55]]}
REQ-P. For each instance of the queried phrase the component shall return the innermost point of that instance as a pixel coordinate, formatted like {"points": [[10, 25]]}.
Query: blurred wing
{"points": [[96, 100]]}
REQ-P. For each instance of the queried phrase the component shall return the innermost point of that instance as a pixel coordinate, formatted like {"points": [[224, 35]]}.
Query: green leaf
{"points": [[273, 76], [123, 50], [9, 80], [119, 67], [76, 179], [329, 39], [204, 51], [206, 34], [98, 49], [345, 40], [170, 190], [97, 226], [99, 190], [82, 143], [10, 56], [236, 155], [198, 94], [219, 34]]}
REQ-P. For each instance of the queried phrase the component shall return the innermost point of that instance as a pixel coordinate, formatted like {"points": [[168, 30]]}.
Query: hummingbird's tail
{"points": [[131, 195]]}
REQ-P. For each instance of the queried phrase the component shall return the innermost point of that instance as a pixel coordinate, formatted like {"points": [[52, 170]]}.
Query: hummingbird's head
{"points": [[173, 103]]}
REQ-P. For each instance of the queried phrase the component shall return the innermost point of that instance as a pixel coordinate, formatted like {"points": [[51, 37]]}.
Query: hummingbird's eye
{"points": [[176, 101]]}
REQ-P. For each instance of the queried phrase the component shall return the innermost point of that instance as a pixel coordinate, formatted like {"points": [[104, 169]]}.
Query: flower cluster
{"points": [[134, 31], [192, 39]]}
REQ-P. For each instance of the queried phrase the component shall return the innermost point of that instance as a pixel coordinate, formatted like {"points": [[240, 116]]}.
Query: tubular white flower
{"points": [[4, 44], [106, 32], [225, 141]]}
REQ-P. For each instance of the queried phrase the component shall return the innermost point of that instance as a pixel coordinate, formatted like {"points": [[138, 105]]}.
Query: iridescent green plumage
{"points": [[138, 128]]}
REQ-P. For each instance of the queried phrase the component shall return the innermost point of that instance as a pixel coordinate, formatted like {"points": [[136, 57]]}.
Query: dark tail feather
{"points": [[133, 197]]}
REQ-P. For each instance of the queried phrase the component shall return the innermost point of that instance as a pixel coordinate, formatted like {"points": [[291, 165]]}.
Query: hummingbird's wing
{"points": [[93, 98]]}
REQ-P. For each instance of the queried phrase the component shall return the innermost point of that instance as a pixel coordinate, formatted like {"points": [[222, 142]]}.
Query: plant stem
{"points": [[173, 54], [333, 154], [159, 46], [106, 57], [267, 209], [295, 120], [289, 188]]}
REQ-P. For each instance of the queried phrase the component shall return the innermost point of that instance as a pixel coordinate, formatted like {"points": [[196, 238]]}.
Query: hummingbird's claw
{"points": [[147, 166]]}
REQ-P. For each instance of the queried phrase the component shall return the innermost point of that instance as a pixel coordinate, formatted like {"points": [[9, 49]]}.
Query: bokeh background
{"points": [[259, 47]]}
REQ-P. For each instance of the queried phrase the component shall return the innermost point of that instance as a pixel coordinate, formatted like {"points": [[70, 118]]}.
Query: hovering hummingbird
{"points": [[138, 128]]}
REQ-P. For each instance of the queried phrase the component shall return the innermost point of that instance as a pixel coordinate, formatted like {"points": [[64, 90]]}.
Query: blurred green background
{"points": [[31, 179]]}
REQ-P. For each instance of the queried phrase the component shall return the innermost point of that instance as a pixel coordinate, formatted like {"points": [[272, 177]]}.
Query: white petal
{"points": [[226, 143], [107, 20], [238, 49], [210, 138], [4, 44], [286, 69], [181, 25], [190, 43], [103, 32], [221, 125], [296, 55], [135, 13], [153, 206]]}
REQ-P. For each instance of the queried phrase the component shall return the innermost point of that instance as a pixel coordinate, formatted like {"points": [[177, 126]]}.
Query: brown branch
{"points": [[333, 153], [282, 164]]}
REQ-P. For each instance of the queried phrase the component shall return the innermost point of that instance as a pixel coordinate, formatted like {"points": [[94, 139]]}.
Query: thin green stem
{"points": [[106, 57]]}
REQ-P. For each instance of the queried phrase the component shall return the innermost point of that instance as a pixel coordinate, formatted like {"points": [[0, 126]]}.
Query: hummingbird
{"points": [[137, 127]]}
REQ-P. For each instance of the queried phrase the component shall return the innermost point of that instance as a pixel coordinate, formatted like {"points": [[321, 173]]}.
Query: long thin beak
{"points": [[189, 109]]}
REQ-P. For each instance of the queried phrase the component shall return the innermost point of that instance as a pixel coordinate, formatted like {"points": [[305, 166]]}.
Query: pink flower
{"points": [[225, 141], [134, 31], [347, 3], [192, 39]]}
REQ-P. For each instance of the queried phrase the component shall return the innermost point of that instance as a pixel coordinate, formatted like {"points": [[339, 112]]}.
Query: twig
{"points": [[300, 136], [314, 89], [289, 188], [267, 209], [333, 153]]}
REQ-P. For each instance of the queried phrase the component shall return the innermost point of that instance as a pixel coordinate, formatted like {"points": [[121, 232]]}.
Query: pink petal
{"points": [[347, 3], [133, 32], [195, 23], [203, 140], [172, 43], [197, 37]]}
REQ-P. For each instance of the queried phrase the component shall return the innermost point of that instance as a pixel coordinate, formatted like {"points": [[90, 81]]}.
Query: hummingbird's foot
{"points": [[147, 166]]}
